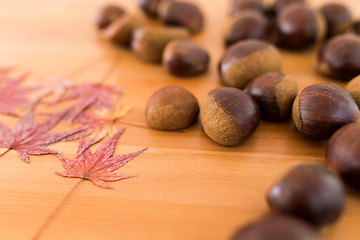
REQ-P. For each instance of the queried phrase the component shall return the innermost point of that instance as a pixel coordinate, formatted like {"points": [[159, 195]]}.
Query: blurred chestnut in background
{"points": [[182, 14], [309, 192], [339, 57], [355, 28], [150, 7], [338, 18], [321, 109], [246, 60], [343, 154], [184, 58], [275, 93], [247, 24], [353, 87], [108, 14], [299, 26], [241, 5], [280, 4], [277, 227]]}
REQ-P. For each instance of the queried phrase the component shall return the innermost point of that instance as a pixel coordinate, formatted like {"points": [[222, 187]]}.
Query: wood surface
{"points": [[188, 187]]}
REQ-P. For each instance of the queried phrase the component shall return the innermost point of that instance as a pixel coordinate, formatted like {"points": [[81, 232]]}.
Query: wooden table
{"points": [[188, 187]]}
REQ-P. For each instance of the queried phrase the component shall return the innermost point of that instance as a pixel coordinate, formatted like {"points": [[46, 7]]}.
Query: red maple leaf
{"points": [[32, 138], [13, 95], [98, 167], [90, 96]]}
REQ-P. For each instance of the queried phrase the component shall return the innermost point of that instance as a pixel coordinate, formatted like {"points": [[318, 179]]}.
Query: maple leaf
{"points": [[12, 95], [57, 86], [90, 96], [98, 167], [32, 138]]}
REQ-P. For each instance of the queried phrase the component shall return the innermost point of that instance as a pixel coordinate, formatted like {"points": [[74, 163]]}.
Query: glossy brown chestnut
{"points": [[229, 116], [108, 14], [321, 109], [247, 24], [338, 18], [275, 93], [148, 43], [339, 57], [184, 58], [343, 155], [171, 108], [121, 30], [241, 5], [150, 7], [280, 4], [181, 14], [246, 60], [277, 227], [353, 87], [298, 26], [309, 192]]}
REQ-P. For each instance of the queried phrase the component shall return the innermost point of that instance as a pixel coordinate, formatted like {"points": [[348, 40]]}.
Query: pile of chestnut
{"points": [[309, 196], [169, 44]]}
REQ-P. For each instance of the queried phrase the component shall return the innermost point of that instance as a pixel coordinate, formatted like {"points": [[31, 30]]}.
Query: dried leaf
{"points": [[98, 167], [56, 86], [13, 95], [32, 138], [90, 96]]}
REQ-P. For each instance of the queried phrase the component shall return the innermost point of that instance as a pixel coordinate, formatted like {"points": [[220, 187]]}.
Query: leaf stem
{"points": [[4, 152], [38, 233]]}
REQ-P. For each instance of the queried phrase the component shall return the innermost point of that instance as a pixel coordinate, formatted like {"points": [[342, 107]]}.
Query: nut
{"points": [[181, 14], [150, 7], [355, 28], [339, 57], [229, 116], [338, 18], [277, 227], [321, 109], [343, 155], [148, 43], [309, 192], [247, 60], [121, 30], [247, 24], [171, 108], [240, 5], [184, 58], [275, 93], [353, 87], [298, 26], [107, 15], [281, 4]]}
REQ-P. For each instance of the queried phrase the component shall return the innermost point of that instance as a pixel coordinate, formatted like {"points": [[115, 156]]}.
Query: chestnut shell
{"points": [[338, 18], [108, 14], [321, 109], [343, 155], [277, 227], [244, 5], [309, 192]]}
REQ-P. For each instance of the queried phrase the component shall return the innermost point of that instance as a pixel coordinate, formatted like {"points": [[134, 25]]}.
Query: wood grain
{"points": [[188, 187]]}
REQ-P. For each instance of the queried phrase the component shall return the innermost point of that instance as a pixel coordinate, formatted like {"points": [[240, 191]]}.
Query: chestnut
{"points": [[353, 87], [121, 30], [280, 4], [241, 5], [184, 58], [355, 28], [338, 18], [343, 155], [246, 60], [339, 57], [181, 14], [229, 116], [150, 7], [309, 192], [298, 26], [108, 14], [321, 109], [148, 43], [277, 227], [171, 108], [275, 93], [247, 24]]}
